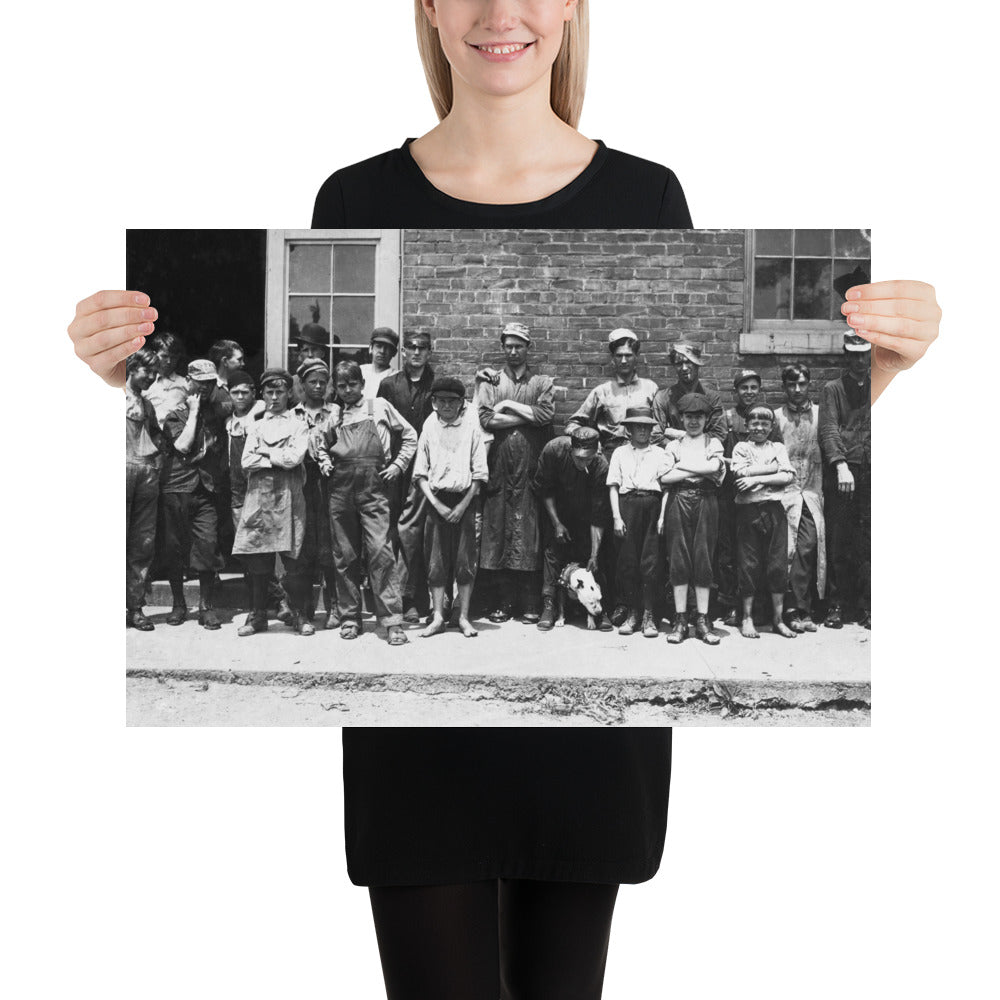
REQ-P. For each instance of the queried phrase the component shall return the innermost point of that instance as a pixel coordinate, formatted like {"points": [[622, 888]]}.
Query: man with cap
{"points": [[605, 405], [689, 516], [686, 359], [634, 489], [383, 345], [572, 482], [188, 492], [747, 387], [317, 549], [409, 391], [273, 518], [798, 420], [845, 441], [517, 412], [449, 470]]}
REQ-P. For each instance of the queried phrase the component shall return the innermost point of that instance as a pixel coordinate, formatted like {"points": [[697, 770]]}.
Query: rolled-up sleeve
{"points": [[544, 407], [586, 415]]}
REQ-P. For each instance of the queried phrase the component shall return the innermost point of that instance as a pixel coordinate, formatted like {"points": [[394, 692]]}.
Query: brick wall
{"points": [[572, 287]]}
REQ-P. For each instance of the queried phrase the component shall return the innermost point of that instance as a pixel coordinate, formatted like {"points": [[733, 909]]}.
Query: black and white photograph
{"points": [[499, 477]]}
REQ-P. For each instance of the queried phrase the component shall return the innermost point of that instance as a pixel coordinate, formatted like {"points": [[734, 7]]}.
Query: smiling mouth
{"points": [[507, 49]]}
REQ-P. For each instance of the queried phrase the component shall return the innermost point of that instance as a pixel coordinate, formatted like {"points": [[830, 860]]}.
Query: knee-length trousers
{"points": [[761, 547], [516, 939]]}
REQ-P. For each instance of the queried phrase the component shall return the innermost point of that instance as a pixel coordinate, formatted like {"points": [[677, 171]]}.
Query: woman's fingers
{"points": [[917, 290], [110, 300], [110, 364], [111, 319]]}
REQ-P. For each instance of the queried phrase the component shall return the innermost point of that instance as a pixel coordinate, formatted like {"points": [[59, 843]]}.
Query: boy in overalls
{"points": [[353, 448]]}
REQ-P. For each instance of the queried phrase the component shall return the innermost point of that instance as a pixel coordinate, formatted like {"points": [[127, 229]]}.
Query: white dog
{"points": [[579, 583]]}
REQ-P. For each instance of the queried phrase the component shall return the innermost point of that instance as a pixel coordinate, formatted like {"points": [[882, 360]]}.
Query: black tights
{"points": [[506, 939]]}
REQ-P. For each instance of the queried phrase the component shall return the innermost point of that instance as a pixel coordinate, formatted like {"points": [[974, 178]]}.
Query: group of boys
{"points": [[676, 505]]}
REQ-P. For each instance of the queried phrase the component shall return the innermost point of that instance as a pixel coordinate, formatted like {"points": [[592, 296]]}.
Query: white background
{"points": [[210, 863]]}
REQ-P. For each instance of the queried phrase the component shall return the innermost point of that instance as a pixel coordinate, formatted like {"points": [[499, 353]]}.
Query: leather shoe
{"points": [[548, 617], [605, 624], [411, 616], [178, 615], [704, 631], [136, 619], [680, 630], [501, 614], [834, 617], [649, 629], [253, 624], [630, 624]]}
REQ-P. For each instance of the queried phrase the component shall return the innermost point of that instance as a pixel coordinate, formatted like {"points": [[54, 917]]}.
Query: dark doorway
{"points": [[206, 284]]}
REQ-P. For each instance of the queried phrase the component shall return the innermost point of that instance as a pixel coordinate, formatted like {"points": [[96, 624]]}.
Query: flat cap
{"points": [[239, 377], [694, 402], [275, 375], [312, 365], [385, 335], [516, 329], [202, 371], [743, 374], [584, 439], [448, 385], [622, 333]]}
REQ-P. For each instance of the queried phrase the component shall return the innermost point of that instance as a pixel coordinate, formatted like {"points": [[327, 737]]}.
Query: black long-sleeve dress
{"points": [[444, 805]]}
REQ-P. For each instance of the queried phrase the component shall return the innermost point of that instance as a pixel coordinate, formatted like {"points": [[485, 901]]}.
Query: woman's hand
{"points": [[108, 327], [900, 319]]}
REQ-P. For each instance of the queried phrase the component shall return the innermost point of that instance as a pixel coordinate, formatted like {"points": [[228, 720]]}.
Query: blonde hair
{"points": [[569, 71]]}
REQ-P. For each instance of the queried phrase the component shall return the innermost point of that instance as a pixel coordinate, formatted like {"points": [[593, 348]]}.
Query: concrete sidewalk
{"points": [[516, 662]]}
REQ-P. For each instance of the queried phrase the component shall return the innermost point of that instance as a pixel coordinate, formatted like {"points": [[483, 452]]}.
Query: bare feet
{"points": [[747, 630], [782, 629], [435, 625], [467, 630]]}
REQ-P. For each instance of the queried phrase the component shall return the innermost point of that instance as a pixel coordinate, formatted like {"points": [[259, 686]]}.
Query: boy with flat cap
{"points": [[449, 469], [763, 471], [572, 482], [635, 493], [188, 493], [689, 515], [317, 549], [272, 520], [383, 346]]}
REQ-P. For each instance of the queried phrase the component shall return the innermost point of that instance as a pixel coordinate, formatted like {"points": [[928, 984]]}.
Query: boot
{"points": [[207, 617], [257, 619], [630, 624], [680, 630], [834, 617], [548, 617], [178, 613], [649, 629], [330, 602], [619, 615], [301, 624], [134, 618], [704, 631], [605, 623]]}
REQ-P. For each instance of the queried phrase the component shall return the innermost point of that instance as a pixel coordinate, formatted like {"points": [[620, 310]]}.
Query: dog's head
{"points": [[584, 588]]}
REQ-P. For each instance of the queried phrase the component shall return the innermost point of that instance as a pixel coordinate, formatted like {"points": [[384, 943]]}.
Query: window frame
{"points": [[388, 286], [784, 336]]}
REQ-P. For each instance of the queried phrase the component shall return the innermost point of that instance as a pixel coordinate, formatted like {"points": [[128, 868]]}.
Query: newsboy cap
{"points": [[694, 402], [202, 370], [275, 375], [743, 374], [312, 365], [385, 335], [516, 329], [584, 439], [448, 385]]}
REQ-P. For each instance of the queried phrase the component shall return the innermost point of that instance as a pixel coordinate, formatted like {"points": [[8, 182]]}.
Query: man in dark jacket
{"points": [[686, 359], [845, 440]]}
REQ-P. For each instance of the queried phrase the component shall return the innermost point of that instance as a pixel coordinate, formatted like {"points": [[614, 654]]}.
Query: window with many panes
{"points": [[334, 286], [795, 284]]}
